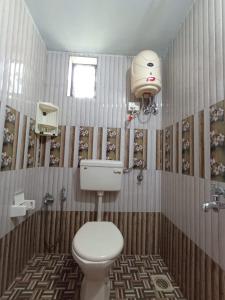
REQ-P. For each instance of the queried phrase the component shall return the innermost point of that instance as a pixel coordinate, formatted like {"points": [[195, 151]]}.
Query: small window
{"points": [[81, 77]]}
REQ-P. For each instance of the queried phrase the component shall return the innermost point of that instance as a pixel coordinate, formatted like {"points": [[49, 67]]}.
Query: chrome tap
{"points": [[219, 191], [48, 199], [140, 176], [63, 194], [215, 205], [218, 201]]}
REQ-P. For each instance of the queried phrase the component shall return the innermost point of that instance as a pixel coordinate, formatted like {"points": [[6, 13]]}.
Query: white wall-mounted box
{"points": [[21, 206], [47, 119]]}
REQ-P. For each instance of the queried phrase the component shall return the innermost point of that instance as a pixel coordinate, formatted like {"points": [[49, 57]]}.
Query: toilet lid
{"points": [[98, 241]]}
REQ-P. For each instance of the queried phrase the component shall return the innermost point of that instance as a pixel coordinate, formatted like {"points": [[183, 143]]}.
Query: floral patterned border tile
{"points": [[32, 143], [23, 142], [168, 148], [86, 143], [201, 120], [140, 148], [113, 144], [188, 146], [10, 139], [217, 141], [57, 148]]}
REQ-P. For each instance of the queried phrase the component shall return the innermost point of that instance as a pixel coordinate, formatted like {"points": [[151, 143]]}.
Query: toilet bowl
{"points": [[95, 247]]}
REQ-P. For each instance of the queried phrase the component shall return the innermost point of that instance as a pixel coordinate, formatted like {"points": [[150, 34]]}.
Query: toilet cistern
{"points": [[100, 176]]}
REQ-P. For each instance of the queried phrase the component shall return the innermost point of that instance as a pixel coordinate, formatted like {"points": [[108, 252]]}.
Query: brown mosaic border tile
{"points": [[15, 249], [198, 276], [140, 230]]}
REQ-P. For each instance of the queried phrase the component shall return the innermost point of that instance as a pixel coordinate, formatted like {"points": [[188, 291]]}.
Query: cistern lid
{"points": [[98, 241], [101, 163]]}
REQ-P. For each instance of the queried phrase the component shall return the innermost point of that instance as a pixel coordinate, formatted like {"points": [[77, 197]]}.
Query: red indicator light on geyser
{"points": [[151, 78]]}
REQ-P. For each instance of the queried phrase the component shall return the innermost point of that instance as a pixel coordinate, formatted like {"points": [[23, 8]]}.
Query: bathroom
{"points": [[147, 221]]}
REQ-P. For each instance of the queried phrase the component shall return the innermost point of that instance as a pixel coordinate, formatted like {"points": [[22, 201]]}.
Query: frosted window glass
{"points": [[83, 85]]}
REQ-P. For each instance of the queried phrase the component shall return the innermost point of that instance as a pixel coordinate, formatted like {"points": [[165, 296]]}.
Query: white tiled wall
{"points": [[194, 80], [23, 50], [107, 110], [22, 75], [193, 74]]}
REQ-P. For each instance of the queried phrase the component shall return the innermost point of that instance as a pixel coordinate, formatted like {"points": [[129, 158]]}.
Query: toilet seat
{"points": [[98, 241]]}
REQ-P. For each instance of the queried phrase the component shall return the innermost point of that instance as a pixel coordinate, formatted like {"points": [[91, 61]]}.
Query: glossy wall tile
{"points": [[22, 75], [194, 72], [102, 120], [197, 274]]}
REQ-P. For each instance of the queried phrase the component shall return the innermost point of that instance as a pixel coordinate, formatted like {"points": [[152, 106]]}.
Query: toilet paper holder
{"points": [[21, 206]]}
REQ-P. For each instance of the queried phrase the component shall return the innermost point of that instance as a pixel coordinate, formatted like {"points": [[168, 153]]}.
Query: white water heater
{"points": [[146, 74]]}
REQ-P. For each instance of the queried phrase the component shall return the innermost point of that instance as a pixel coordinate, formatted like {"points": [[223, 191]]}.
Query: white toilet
{"points": [[97, 245]]}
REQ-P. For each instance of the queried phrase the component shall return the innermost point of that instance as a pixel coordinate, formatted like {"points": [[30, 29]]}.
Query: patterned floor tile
{"points": [[58, 277]]}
